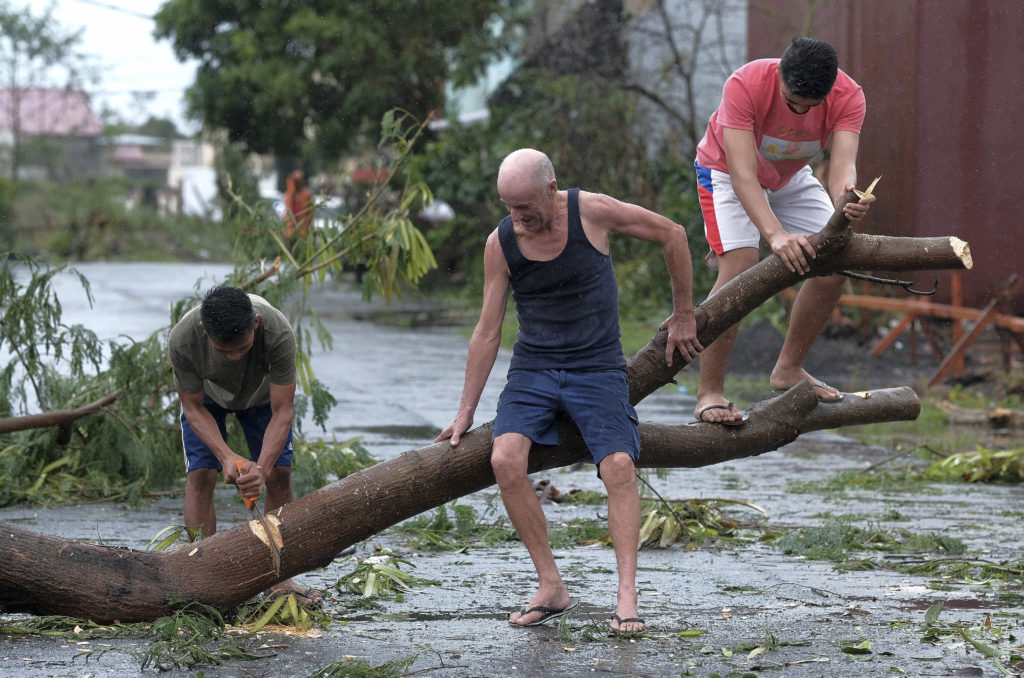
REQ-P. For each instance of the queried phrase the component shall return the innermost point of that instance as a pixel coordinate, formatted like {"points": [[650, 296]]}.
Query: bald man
{"points": [[552, 252]]}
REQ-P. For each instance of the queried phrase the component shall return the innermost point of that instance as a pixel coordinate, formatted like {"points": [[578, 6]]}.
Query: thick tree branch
{"points": [[838, 248], [54, 417]]}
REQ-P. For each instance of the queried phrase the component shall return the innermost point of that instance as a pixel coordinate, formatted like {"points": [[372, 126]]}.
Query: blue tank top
{"points": [[568, 307]]}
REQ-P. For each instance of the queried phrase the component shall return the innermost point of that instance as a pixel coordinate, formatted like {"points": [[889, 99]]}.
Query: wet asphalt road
{"points": [[709, 610]]}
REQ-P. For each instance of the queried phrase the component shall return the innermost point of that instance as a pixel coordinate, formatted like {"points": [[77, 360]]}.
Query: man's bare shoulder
{"points": [[492, 239], [600, 209]]}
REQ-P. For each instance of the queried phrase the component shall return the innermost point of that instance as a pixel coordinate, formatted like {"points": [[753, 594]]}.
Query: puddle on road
{"points": [[953, 604]]}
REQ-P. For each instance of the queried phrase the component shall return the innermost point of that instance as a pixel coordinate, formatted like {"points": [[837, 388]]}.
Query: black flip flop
{"points": [[620, 621], [731, 406], [546, 613]]}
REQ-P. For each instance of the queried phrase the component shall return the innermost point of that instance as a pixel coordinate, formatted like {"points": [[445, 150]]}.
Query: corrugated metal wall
{"points": [[945, 122]]}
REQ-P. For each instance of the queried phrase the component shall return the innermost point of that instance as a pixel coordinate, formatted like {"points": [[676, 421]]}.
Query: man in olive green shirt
{"points": [[235, 353]]}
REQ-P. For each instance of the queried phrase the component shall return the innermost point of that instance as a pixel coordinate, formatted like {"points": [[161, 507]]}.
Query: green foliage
{"points": [[690, 523], [560, 115], [283, 610], [32, 332], [71, 628], [935, 631], [903, 480], [438, 532], [182, 639], [839, 538], [584, 498], [133, 442], [380, 576], [166, 537], [981, 465], [113, 453], [580, 532], [6, 207], [317, 463], [235, 177], [270, 73], [356, 668], [378, 233], [87, 219], [461, 167]]}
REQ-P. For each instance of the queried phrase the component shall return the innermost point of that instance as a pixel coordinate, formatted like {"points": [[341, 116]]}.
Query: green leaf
{"points": [[863, 647], [981, 647], [172, 532], [269, 614], [371, 588], [932, 615]]}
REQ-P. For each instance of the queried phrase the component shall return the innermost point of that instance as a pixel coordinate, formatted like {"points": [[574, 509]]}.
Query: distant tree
{"points": [[164, 128], [35, 51], [618, 94], [159, 127], [290, 77]]}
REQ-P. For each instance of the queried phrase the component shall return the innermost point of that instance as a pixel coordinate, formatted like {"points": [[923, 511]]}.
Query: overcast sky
{"points": [[118, 36]]}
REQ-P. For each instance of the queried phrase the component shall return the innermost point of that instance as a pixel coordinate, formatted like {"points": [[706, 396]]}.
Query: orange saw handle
{"points": [[249, 501]]}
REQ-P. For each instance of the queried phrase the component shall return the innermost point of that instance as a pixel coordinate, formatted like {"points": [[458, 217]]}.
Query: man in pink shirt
{"points": [[754, 181]]}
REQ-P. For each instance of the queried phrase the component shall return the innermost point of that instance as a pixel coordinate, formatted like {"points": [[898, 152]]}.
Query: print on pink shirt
{"points": [[782, 149]]}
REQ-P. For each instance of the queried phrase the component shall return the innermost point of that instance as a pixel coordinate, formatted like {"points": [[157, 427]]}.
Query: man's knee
{"points": [[201, 481], [508, 458], [618, 471], [280, 475]]}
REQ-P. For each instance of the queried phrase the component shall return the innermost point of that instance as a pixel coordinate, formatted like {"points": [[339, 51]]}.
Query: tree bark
{"points": [[111, 584]]}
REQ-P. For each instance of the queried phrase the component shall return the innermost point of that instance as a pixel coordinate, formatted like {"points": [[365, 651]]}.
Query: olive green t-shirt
{"points": [[239, 384]]}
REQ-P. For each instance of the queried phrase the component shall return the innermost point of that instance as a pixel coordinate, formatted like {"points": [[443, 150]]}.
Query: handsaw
{"points": [[252, 504]]}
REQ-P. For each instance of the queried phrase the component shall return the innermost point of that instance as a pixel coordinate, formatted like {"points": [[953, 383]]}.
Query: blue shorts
{"points": [[254, 423], [597, 402]]}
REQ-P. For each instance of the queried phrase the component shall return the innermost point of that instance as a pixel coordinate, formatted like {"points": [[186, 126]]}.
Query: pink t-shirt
{"points": [[751, 100]]}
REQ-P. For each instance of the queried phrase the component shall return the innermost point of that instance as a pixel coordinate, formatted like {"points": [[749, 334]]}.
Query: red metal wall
{"points": [[945, 121]]}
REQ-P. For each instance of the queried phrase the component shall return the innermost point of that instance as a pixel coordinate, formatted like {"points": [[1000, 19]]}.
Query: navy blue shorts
{"points": [[597, 402], [254, 423]]}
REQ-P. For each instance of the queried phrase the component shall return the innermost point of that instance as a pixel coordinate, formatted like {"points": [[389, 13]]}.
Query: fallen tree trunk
{"points": [[125, 585], [116, 584]]}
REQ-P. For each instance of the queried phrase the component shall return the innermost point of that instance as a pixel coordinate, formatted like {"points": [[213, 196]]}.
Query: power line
{"points": [[116, 8]]}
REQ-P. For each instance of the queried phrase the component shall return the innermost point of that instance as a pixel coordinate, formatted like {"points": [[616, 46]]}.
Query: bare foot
{"points": [[307, 596], [543, 605]]}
